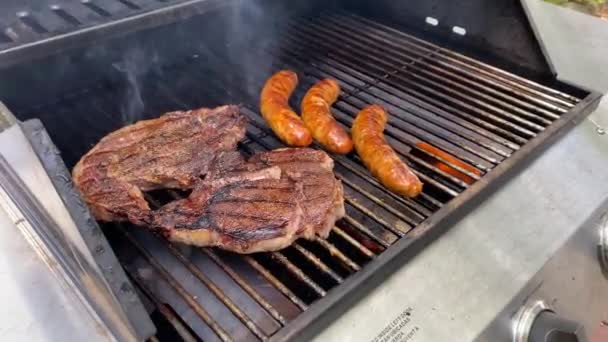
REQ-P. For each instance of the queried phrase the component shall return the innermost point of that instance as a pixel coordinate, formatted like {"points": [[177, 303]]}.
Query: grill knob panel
{"points": [[549, 327], [537, 322]]}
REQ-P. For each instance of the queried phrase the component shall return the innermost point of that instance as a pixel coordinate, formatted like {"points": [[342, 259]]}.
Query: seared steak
{"points": [[172, 151], [261, 205]]}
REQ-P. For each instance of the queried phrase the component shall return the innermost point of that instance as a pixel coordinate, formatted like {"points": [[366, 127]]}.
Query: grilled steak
{"points": [[172, 151], [261, 205]]}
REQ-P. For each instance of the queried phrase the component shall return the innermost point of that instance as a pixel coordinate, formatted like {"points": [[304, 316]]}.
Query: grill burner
{"points": [[475, 112]]}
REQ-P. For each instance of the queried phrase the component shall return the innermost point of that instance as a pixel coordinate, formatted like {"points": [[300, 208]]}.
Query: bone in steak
{"points": [[261, 205], [172, 151]]}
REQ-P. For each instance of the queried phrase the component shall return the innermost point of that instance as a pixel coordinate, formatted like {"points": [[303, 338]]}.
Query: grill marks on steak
{"points": [[273, 199], [172, 151], [261, 204]]}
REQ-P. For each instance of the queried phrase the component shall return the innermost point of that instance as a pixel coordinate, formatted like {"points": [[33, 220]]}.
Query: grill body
{"points": [[490, 119]]}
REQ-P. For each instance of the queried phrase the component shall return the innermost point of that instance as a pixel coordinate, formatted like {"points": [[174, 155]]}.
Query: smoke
{"points": [[249, 35], [133, 67]]}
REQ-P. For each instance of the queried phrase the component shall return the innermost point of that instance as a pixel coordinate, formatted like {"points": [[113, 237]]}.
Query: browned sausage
{"points": [[275, 109], [378, 156], [317, 117]]}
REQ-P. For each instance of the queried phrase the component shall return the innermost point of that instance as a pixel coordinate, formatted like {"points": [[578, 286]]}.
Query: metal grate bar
{"points": [[398, 227], [320, 265], [268, 147], [245, 286], [355, 168], [412, 105], [219, 294], [450, 130], [338, 231], [414, 67], [298, 273], [205, 76], [472, 64], [200, 311], [368, 62], [169, 315], [418, 97], [400, 128], [333, 251], [412, 50], [275, 282]]}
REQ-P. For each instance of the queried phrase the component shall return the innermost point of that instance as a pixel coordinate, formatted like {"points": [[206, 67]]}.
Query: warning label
{"points": [[400, 329]]}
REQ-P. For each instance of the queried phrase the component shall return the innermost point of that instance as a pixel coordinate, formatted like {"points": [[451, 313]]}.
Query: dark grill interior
{"points": [[476, 113]]}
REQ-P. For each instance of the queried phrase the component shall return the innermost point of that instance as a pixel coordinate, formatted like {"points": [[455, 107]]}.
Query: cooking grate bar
{"points": [[346, 261], [443, 69], [205, 76], [413, 123], [275, 282], [245, 286], [368, 62], [478, 68], [298, 273], [423, 63], [331, 249], [410, 94], [415, 107], [320, 265], [175, 285], [218, 293], [354, 221], [400, 228], [448, 66], [276, 144], [414, 67], [167, 313]]}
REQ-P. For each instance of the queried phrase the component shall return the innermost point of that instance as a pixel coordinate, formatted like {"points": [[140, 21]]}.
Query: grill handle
{"points": [[549, 327]]}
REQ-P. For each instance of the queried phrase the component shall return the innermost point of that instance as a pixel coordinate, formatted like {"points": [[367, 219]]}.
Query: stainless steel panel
{"points": [[33, 300], [453, 290]]}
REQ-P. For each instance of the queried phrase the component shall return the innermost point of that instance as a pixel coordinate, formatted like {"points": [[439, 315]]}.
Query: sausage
{"points": [[453, 160], [286, 124], [378, 156], [317, 117]]}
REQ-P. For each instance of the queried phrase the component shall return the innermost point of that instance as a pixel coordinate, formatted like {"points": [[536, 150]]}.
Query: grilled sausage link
{"points": [[378, 156], [317, 117], [275, 109]]}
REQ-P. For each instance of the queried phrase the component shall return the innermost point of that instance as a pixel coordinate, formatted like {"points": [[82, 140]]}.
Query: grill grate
{"points": [[476, 113]]}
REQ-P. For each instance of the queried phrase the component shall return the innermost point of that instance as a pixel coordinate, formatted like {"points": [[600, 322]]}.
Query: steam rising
{"points": [[234, 43], [134, 66], [249, 33]]}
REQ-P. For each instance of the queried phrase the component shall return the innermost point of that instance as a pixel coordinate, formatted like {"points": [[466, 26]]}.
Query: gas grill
{"points": [[150, 58]]}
